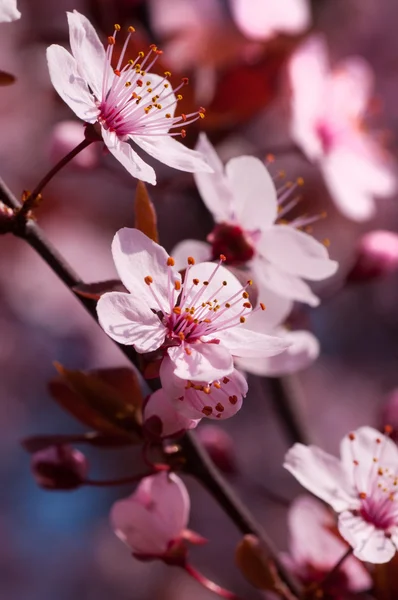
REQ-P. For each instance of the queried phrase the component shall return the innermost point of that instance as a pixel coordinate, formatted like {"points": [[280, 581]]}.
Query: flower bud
{"points": [[220, 447], [59, 468], [377, 255]]}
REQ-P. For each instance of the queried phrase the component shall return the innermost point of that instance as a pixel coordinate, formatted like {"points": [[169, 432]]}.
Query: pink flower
{"points": [[9, 11], [162, 419], [361, 488], [129, 103], [197, 323], [377, 256], [244, 203], [153, 520], [314, 550], [328, 109], [261, 19]]}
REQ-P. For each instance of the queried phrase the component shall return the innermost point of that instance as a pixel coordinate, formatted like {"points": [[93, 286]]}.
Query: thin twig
{"points": [[286, 398]]}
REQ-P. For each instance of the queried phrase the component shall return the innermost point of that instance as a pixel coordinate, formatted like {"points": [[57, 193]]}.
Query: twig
{"points": [[286, 398]]}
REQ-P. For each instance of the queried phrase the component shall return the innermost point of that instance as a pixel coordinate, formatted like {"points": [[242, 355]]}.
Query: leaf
{"points": [[94, 291], [6, 78], [144, 213], [107, 400]]}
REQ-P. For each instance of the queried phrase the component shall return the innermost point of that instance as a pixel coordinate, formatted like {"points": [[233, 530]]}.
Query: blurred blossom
{"points": [[376, 256], [86, 81], [161, 419], [244, 202], [261, 19], [328, 112], [9, 11], [361, 487], [65, 137], [315, 549], [220, 446], [198, 321], [153, 520], [59, 468]]}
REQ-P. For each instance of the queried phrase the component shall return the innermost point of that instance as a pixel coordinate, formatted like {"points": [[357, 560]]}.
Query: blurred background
{"points": [[60, 545]]}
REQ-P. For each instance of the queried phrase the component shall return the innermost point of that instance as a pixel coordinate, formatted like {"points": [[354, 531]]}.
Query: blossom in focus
{"points": [[361, 487], [162, 419], [314, 550], [377, 256], [9, 11], [129, 103], [65, 136], [261, 19], [196, 323], [328, 110], [243, 200], [153, 520]]}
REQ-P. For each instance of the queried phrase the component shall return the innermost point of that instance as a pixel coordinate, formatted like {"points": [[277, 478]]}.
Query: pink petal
{"points": [[172, 420], [259, 19], [69, 84], [255, 199], [296, 252], [302, 352], [131, 323], [172, 153], [277, 309], [214, 188], [206, 362], [136, 257], [128, 157], [370, 544], [88, 51], [251, 344], [9, 11], [284, 284], [154, 516], [323, 475], [200, 252], [350, 88]]}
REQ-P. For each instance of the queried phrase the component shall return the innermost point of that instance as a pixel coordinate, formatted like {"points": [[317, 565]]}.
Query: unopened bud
{"points": [[59, 468], [377, 256], [220, 447]]}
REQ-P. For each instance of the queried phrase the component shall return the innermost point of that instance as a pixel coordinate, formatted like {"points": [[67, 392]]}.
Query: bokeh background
{"points": [[60, 545]]}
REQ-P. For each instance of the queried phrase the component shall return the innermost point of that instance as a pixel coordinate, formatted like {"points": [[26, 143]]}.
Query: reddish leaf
{"points": [[144, 213], [94, 291]]}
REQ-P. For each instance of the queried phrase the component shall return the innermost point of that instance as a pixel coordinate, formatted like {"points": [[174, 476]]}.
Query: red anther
{"points": [[233, 399], [195, 281], [153, 47], [185, 80], [184, 117], [148, 280], [388, 429], [207, 410], [351, 436], [247, 305], [111, 40], [139, 82], [362, 495], [117, 72], [219, 407], [225, 380], [183, 133], [262, 306], [356, 463], [223, 258]]}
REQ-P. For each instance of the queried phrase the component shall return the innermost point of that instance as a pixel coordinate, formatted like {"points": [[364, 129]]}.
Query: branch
{"points": [[286, 397], [198, 462]]}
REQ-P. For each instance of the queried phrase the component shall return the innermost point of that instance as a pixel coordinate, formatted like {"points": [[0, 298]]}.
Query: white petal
{"points": [[251, 344], [370, 544], [214, 188], [296, 252], [254, 192], [200, 252], [172, 153], [284, 284], [206, 362], [128, 157], [302, 352], [130, 323], [9, 11], [69, 83], [277, 309], [136, 257], [88, 51], [323, 475]]}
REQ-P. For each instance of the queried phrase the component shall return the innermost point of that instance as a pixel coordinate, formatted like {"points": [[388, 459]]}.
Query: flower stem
{"points": [[208, 584], [198, 463], [286, 397], [31, 199], [315, 589]]}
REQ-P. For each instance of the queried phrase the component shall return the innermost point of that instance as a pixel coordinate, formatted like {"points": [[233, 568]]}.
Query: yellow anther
{"points": [[117, 27], [131, 29], [190, 260], [177, 310], [170, 261], [148, 280], [168, 116], [201, 115], [167, 74], [179, 97], [127, 84], [111, 40]]}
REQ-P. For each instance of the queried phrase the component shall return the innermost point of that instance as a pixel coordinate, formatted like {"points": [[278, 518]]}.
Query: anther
{"points": [[153, 47], [205, 283], [300, 181], [388, 429], [185, 80], [177, 310], [111, 40], [139, 82], [190, 260], [356, 463], [225, 282], [148, 280], [181, 336], [206, 390], [225, 380], [247, 305], [168, 116], [207, 410], [227, 305], [177, 285], [262, 306], [249, 282], [167, 74], [242, 319], [116, 27], [183, 117], [170, 261], [219, 407], [195, 281], [183, 133], [233, 399], [188, 351], [351, 436], [179, 97], [223, 258], [245, 295], [362, 495], [217, 385], [131, 29]]}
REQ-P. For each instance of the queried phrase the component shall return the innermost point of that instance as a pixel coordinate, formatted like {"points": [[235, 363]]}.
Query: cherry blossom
{"points": [[9, 11], [128, 103], [261, 19], [361, 488], [153, 520], [377, 256], [315, 549], [197, 323], [328, 111], [243, 200], [162, 419]]}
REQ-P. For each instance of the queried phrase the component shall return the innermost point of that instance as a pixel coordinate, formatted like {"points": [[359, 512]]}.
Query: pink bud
{"points": [[65, 137], [220, 447], [152, 521], [162, 420], [377, 255], [59, 468]]}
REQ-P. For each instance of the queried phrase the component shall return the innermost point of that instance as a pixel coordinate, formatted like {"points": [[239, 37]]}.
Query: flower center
{"points": [[231, 241], [135, 102], [326, 136]]}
